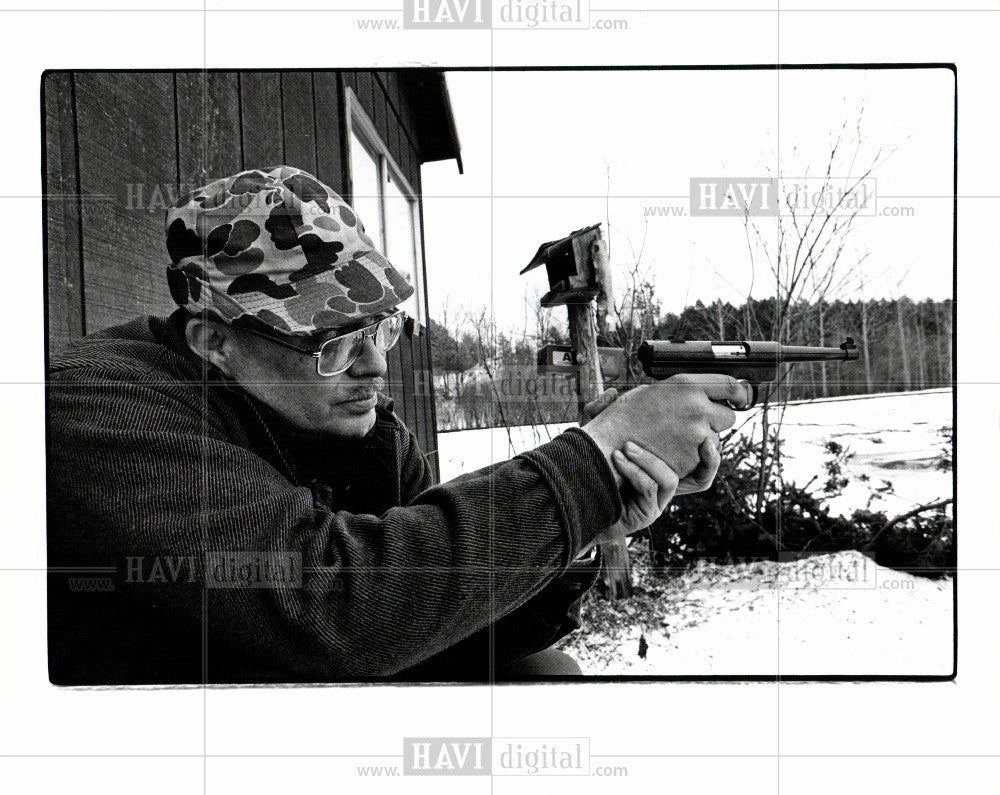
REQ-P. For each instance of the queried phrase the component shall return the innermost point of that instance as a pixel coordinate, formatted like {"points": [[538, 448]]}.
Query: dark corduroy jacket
{"points": [[159, 473]]}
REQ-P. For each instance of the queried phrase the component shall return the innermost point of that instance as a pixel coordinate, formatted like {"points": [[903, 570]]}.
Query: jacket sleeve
{"points": [[415, 469], [152, 474]]}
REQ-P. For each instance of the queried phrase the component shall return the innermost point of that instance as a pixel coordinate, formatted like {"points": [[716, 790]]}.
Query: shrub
{"points": [[750, 513]]}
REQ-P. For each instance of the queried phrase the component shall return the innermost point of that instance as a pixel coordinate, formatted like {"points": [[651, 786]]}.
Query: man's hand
{"points": [[596, 406], [703, 475], [673, 420], [700, 478]]}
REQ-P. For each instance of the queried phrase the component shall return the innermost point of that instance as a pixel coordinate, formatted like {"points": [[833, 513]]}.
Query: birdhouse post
{"points": [[579, 273]]}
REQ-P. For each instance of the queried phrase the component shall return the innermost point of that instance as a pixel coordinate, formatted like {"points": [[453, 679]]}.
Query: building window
{"points": [[385, 202]]}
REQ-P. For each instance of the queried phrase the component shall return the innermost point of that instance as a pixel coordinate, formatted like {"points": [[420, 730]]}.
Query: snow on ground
{"points": [[466, 451], [837, 614], [893, 438], [831, 614]]}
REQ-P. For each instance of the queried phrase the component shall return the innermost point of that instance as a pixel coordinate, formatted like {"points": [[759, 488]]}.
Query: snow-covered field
{"points": [[838, 614], [832, 614], [894, 438]]}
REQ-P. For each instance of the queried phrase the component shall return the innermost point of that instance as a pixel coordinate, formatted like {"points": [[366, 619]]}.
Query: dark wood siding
{"points": [[261, 136], [64, 278], [121, 147]]}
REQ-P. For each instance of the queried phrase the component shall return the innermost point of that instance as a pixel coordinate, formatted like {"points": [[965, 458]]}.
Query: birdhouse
{"points": [[572, 265]]}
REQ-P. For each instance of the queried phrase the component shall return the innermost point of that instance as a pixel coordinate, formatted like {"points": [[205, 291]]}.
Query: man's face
{"points": [[286, 381]]}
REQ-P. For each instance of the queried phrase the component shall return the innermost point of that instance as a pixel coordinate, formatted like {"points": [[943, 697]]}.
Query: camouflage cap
{"points": [[277, 247]]}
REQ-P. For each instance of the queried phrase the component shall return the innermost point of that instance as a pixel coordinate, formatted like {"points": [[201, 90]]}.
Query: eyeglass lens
{"points": [[339, 354]]}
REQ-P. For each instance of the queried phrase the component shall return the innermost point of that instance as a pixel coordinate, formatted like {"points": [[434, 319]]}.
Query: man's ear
{"points": [[207, 338]]}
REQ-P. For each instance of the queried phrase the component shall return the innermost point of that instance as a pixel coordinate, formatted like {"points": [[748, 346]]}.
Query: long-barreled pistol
{"points": [[755, 362]]}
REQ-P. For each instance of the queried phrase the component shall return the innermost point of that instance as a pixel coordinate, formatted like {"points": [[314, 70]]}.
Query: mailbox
{"points": [[560, 359]]}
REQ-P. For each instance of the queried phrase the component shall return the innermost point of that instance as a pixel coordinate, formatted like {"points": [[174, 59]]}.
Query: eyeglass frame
{"points": [[369, 331]]}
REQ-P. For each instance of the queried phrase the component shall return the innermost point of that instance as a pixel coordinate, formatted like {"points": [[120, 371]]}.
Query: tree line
{"points": [[905, 344]]}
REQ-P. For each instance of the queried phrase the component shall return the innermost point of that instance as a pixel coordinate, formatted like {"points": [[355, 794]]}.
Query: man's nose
{"points": [[371, 363]]}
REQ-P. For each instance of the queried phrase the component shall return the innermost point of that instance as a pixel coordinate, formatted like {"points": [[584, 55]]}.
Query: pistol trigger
{"points": [[753, 399]]}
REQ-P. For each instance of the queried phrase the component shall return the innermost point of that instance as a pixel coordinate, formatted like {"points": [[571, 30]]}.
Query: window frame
{"points": [[360, 125]]}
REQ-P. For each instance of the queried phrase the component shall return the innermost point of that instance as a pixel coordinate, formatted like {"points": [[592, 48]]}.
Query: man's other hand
{"points": [[649, 486]]}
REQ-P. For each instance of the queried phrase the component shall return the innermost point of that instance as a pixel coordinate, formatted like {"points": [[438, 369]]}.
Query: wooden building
{"points": [[120, 147]]}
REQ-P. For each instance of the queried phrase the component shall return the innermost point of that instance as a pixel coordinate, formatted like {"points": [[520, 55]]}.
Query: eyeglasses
{"points": [[337, 354]]}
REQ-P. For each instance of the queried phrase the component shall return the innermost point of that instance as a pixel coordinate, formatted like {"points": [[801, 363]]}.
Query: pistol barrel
{"points": [[660, 358], [806, 353]]}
